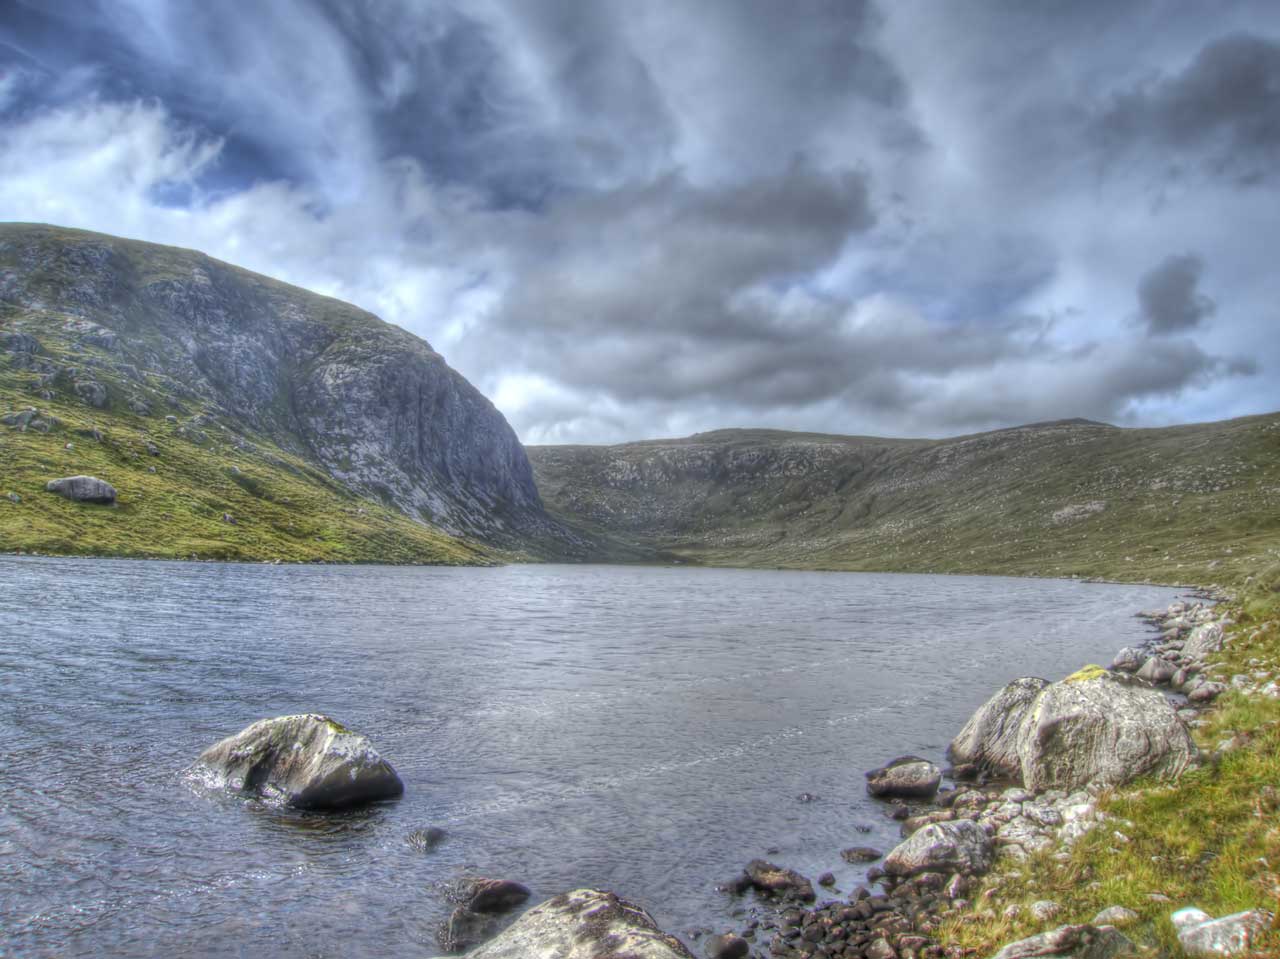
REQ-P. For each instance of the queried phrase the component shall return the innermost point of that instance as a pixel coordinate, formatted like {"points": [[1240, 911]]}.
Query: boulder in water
{"points": [[306, 761], [907, 776]]}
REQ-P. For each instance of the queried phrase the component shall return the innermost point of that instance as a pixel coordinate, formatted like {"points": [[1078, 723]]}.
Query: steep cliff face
{"points": [[149, 333]]}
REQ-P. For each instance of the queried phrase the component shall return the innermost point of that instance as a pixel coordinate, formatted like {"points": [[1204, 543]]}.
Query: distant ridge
{"points": [[1069, 497]]}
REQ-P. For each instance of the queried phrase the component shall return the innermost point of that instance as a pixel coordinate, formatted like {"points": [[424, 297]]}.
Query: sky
{"points": [[624, 219]]}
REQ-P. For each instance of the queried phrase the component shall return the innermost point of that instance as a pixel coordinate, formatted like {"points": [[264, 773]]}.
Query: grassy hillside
{"points": [[1187, 504], [121, 400], [171, 505]]}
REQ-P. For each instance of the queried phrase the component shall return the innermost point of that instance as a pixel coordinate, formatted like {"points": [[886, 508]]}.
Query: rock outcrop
{"points": [[1094, 727], [306, 761], [83, 489], [583, 924]]}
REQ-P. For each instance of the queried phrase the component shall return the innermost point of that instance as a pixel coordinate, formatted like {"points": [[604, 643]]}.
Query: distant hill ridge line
{"points": [[1060, 498]]}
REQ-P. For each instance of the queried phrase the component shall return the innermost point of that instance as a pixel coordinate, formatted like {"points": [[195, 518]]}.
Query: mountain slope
{"points": [[1188, 503], [320, 430]]}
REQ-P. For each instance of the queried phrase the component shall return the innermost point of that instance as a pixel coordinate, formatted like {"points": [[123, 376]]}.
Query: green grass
{"points": [[282, 506], [1211, 840]]}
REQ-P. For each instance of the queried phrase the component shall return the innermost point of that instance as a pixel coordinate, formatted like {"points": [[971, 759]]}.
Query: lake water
{"points": [[642, 729]]}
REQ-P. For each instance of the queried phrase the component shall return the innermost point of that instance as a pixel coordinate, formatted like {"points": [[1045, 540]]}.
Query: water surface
{"points": [[642, 729]]}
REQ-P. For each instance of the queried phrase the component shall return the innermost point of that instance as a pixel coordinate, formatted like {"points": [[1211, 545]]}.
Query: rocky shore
{"points": [[1028, 771]]}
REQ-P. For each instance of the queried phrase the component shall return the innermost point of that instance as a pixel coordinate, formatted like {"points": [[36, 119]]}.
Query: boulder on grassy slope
{"points": [[83, 489], [583, 924], [1097, 727], [306, 761]]}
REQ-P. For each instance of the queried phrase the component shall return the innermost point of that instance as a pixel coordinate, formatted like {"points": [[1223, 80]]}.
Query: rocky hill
{"points": [[1182, 504], [239, 417]]}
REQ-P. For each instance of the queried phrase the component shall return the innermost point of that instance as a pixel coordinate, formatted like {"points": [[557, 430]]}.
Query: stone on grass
{"points": [[306, 761], [1202, 935], [1116, 916], [1071, 942]]}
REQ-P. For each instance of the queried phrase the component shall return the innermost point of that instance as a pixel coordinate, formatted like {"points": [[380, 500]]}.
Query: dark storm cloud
{"points": [[1223, 108], [631, 217], [1169, 295]]}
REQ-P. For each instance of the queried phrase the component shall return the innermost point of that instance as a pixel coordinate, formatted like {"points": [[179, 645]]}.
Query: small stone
{"points": [[1046, 909], [827, 879], [1117, 916], [880, 949], [424, 840], [856, 854], [727, 946]]}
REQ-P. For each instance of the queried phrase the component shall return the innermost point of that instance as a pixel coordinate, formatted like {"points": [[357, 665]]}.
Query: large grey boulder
{"points": [[83, 489], [906, 776], [306, 761], [1203, 641], [960, 846], [1202, 935], [988, 741], [583, 924], [1076, 942], [1097, 727]]}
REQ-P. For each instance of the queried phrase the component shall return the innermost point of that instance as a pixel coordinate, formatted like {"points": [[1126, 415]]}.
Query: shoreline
{"points": [[916, 917]]}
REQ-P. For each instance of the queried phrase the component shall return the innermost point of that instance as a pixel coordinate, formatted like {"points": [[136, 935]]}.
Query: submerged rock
{"points": [[961, 846], [583, 924], [83, 489], [774, 880], [306, 761], [989, 739], [907, 776], [488, 895], [424, 840], [1077, 942], [1202, 935]]}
